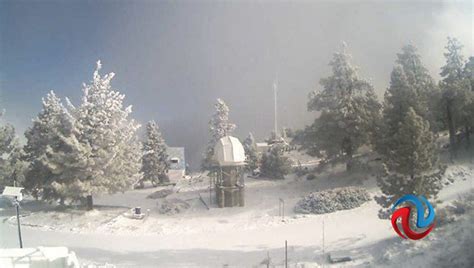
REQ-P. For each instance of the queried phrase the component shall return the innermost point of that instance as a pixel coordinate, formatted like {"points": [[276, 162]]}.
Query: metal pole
{"points": [[323, 237], [279, 208], [18, 221], [286, 254], [283, 210], [268, 259], [275, 99]]}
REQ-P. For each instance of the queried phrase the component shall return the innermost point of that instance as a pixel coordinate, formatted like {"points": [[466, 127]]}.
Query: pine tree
{"points": [[456, 91], [104, 126], [219, 127], [469, 72], [469, 110], [411, 167], [53, 152], [69, 161], [348, 107], [251, 153], [411, 86], [275, 164], [155, 163], [41, 137], [12, 167]]}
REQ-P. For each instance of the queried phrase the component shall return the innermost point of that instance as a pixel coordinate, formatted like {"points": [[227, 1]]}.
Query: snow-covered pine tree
{"points": [[411, 86], [155, 163], [469, 76], [411, 167], [275, 164], [219, 127], [12, 167], [251, 153], [456, 91], [104, 125], [69, 161], [42, 138], [469, 72], [348, 107]]}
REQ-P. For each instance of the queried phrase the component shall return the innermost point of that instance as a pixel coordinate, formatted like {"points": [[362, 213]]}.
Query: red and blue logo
{"points": [[422, 222]]}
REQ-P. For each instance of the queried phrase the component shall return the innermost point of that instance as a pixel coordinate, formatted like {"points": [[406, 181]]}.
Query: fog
{"points": [[172, 60]]}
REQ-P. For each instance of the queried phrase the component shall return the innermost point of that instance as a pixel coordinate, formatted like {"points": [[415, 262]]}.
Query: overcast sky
{"points": [[173, 59]]}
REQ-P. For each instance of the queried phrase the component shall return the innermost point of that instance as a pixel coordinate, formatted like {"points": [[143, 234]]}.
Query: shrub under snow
{"points": [[172, 206], [332, 200]]}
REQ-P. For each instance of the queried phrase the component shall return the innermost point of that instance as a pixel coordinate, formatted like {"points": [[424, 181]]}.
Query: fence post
{"points": [[281, 209]]}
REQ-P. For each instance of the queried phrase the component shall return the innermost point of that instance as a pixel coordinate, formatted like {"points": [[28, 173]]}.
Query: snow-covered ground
{"points": [[238, 237]]}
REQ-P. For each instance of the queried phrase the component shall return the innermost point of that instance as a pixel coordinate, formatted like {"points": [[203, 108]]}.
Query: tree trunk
{"points": [[452, 131], [89, 202]]}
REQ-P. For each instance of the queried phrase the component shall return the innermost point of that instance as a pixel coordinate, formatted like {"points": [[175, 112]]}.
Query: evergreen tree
{"points": [[275, 164], [410, 87], [69, 161], [456, 92], [41, 137], [155, 163], [251, 153], [411, 167], [348, 107], [469, 72], [104, 126], [219, 127], [53, 152], [12, 167], [469, 111]]}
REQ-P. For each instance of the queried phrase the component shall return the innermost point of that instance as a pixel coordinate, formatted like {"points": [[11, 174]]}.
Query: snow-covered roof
{"points": [[59, 257], [229, 152]]}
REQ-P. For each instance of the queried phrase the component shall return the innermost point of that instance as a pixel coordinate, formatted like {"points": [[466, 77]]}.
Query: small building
{"points": [[230, 157], [51, 257], [177, 163]]}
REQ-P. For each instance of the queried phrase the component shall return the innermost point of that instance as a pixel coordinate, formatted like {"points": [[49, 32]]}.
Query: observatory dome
{"points": [[229, 152]]}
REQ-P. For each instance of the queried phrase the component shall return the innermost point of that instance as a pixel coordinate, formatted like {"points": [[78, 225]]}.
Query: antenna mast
{"points": [[275, 84]]}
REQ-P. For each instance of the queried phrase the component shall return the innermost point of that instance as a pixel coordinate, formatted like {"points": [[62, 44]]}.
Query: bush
{"points": [[160, 194], [456, 209], [300, 171], [172, 206], [444, 216], [332, 200]]}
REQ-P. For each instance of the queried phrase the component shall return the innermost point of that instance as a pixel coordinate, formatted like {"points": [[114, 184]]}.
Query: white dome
{"points": [[229, 152]]}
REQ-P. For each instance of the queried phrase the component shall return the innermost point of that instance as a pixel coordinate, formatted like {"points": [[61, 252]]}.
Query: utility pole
{"points": [[286, 254], [275, 85]]}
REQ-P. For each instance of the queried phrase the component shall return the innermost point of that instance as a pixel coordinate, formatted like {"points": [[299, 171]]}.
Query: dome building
{"points": [[229, 155]]}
